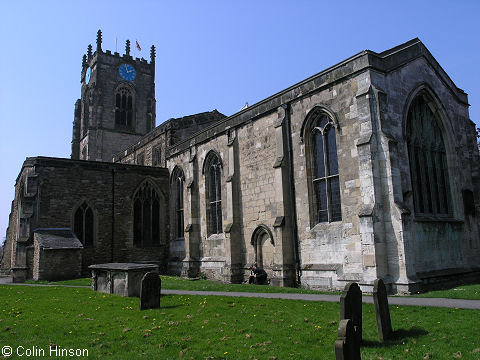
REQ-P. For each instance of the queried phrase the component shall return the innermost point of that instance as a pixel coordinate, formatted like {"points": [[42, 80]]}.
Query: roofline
{"points": [[383, 62], [101, 165], [160, 129]]}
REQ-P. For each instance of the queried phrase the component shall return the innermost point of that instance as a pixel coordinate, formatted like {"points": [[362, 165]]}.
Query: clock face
{"points": [[88, 75], [127, 72]]}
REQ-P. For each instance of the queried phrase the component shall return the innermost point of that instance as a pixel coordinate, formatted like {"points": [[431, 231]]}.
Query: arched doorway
{"points": [[264, 246]]}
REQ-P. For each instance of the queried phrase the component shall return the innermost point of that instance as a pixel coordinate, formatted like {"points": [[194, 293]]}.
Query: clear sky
{"points": [[210, 55]]}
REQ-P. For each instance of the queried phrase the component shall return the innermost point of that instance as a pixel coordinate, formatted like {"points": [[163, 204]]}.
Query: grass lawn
{"points": [[471, 292], [179, 283], [196, 327]]}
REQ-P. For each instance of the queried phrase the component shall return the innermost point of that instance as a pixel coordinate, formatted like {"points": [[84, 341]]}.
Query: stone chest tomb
{"points": [[120, 278]]}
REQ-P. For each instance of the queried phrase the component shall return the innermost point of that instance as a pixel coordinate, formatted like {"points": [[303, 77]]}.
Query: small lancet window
{"points": [[83, 224], [156, 155], [124, 108]]}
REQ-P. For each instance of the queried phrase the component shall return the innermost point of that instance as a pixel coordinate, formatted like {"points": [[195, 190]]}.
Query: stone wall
{"points": [[367, 98], [96, 136], [417, 244], [108, 189], [56, 265]]}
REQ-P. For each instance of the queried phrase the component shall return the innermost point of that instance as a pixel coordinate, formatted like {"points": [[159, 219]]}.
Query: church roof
{"points": [[200, 120], [366, 60], [56, 238]]}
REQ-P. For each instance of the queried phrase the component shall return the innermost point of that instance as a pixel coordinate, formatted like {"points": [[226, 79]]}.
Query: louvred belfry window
{"points": [[124, 108]]}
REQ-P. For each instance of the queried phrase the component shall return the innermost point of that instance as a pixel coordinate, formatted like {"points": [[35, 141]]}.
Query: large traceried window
{"points": [[213, 172], [428, 161], [124, 104], [83, 224], [178, 180], [146, 217], [325, 183]]}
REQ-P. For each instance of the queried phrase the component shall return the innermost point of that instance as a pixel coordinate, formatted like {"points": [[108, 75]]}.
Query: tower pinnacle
{"points": [[89, 52], [99, 40], [152, 54], [127, 48]]}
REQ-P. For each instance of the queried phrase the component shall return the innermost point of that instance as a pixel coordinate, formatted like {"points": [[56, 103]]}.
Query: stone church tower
{"points": [[117, 104]]}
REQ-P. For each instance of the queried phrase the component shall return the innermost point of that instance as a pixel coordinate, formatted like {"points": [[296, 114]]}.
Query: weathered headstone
{"points": [[150, 291], [351, 308], [382, 311], [346, 346]]}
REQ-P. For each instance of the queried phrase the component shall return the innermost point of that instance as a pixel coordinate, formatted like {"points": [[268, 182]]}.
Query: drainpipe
{"points": [[112, 241], [294, 234]]}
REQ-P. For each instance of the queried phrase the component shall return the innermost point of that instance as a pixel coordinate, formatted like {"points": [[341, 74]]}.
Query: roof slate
{"points": [[57, 238]]}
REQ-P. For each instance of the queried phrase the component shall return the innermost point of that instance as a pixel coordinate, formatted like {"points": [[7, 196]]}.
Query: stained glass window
{"points": [[428, 164], [83, 225], [214, 194], [324, 169], [146, 217]]}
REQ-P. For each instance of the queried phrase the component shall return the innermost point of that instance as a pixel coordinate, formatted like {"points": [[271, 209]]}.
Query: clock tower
{"points": [[117, 104]]}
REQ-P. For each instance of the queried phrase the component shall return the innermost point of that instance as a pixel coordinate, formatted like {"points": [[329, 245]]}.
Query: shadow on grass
{"points": [[397, 337], [169, 307], [163, 296]]}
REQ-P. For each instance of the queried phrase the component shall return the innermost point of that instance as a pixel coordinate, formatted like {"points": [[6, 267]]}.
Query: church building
{"points": [[368, 169]]}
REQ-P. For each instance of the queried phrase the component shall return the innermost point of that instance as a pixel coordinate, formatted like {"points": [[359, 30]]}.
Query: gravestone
{"points": [[150, 291], [351, 308], [346, 346], [384, 324]]}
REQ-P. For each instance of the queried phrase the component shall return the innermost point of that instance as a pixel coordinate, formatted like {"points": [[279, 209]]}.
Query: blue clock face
{"points": [[88, 75], [127, 72]]}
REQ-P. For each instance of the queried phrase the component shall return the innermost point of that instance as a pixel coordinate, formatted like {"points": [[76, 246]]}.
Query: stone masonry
{"points": [[267, 180]]}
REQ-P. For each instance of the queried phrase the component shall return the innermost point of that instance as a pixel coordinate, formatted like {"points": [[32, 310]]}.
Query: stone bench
{"points": [[120, 278]]}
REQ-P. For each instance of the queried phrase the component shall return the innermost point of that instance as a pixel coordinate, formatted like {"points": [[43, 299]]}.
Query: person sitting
{"points": [[258, 276]]}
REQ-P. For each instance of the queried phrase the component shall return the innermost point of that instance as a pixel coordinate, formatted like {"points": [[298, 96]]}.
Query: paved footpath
{"points": [[368, 299]]}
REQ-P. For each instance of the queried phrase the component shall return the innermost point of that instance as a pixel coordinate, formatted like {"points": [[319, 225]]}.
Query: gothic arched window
{"points": [[213, 183], [124, 107], [178, 180], [83, 224], [146, 217], [324, 181], [428, 160]]}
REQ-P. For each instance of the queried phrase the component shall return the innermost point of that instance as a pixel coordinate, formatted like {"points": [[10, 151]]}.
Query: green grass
{"points": [[216, 327], [179, 283], [471, 292], [74, 282]]}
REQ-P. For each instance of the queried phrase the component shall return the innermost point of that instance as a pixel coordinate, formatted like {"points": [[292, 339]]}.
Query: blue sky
{"points": [[210, 55]]}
